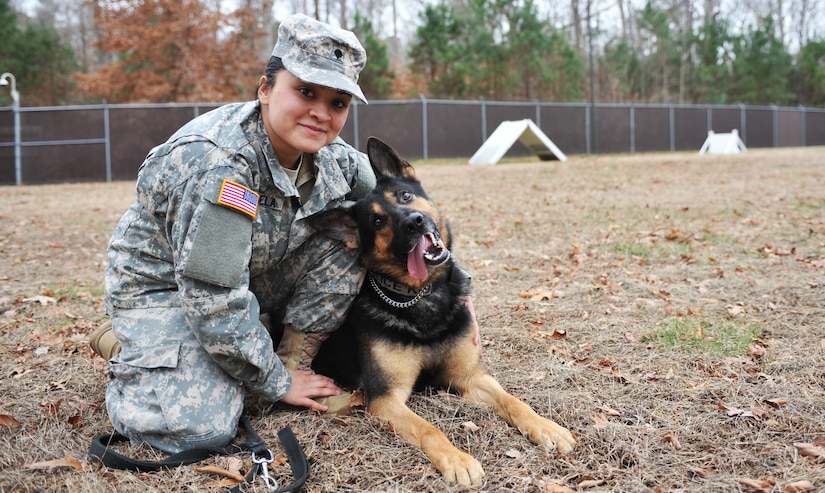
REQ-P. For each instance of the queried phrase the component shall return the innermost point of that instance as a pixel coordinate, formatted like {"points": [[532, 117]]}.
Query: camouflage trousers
{"points": [[167, 391]]}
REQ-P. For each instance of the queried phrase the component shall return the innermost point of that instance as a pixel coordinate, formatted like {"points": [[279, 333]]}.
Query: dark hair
{"points": [[274, 66]]}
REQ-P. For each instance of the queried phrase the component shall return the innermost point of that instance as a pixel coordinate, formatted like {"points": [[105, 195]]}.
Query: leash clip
{"points": [[271, 482]]}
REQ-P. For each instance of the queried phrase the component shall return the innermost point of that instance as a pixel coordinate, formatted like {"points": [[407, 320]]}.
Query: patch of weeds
{"points": [[810, 203], [706, 337], [635, 249], [650, 250], [74, 292]]}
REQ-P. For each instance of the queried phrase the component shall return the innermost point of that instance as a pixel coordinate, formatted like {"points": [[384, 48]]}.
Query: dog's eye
{"points": [[404, 196], [378, 222]]}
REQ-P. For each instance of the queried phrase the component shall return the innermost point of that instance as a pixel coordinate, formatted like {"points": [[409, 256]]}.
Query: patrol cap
{"points": [[321, 54]]}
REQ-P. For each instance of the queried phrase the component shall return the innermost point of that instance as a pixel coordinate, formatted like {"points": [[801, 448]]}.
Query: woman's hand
{"points": [[306, 385]]}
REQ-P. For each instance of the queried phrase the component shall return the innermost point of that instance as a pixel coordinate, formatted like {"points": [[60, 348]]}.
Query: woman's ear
{"points": [[263, 89]]}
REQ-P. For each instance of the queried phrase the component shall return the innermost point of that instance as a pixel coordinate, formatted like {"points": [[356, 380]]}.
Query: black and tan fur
{"points": [[429, 342]]}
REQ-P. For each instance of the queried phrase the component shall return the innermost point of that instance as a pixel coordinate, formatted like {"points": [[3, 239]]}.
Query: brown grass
{"points": [[611, 248]]}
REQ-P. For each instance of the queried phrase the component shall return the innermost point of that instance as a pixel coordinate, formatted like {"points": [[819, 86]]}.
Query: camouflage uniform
{"points": [[188, 277]]}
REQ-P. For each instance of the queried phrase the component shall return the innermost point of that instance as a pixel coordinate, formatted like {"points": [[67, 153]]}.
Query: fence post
{"points": [[803, 129], [775, 111], [108, 141], [743, 123], [587, 129], [710, 118], [672, 124], [632, 127], [424, 139], [483, 121]]}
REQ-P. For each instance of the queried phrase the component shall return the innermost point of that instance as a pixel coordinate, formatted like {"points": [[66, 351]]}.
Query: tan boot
{"points": [[103, 342], [297, 350]]}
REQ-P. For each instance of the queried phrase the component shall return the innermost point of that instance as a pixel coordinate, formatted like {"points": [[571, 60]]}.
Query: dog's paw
{"points": [[461, 468], [549, 435]]}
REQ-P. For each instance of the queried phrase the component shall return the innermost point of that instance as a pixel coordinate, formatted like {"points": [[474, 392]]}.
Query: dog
{"points": [[409, 326]]}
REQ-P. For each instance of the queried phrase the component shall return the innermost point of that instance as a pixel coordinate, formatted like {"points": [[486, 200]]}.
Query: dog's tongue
{"points": [[415, 259]]}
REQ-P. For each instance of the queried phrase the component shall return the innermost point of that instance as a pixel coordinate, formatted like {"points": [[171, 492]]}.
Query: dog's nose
{"points": [[413, 222]]}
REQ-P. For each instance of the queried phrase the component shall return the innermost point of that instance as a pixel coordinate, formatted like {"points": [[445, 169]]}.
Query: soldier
{"points": [[218, 236]]}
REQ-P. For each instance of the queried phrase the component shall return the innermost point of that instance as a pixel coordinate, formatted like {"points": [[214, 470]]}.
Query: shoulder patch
{"points": [[238, 197]]}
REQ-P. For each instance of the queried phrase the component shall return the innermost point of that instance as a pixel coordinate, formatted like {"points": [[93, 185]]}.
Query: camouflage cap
{"points": [[321, 54]]}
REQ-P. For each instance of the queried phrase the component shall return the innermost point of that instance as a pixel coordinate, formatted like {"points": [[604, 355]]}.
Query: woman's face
{"points": [[301, 117]]}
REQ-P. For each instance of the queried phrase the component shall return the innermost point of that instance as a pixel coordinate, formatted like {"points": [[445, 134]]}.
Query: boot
{"points": [[297, 350], [103, 342]]}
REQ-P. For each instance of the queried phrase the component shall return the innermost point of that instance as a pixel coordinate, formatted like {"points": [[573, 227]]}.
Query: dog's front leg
{"points": [[481, 388], [454, 465]]}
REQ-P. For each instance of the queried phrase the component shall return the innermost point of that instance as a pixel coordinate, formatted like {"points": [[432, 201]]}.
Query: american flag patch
{"points": [[239, 198]]}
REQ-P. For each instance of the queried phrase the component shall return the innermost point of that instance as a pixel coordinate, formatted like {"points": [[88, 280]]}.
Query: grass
{"points": [[683, 353], [704, 337]]}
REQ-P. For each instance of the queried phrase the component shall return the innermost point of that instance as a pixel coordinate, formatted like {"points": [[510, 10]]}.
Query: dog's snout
{"points": [[413, 222]]}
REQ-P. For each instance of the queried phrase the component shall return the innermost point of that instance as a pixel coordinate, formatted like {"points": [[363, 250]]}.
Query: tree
{"points": [[435, 51], [712, 71], [542, 62], [762, 66], [376, 80], [38, 58], [174, 50], [811, 74]]}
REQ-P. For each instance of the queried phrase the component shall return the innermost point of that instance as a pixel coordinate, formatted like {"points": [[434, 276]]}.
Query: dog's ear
{"points": [[338, 224], [387, 162]]}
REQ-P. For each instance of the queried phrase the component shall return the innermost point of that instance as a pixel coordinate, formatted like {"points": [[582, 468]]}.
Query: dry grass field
{"points": [[667, 308]]}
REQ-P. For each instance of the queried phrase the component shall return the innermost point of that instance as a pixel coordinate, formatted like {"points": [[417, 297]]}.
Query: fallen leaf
{"points": [[756, 485], [221, 472], [558, 488], [811, 450], [8, 421], [43, 300], [513, 454], [50, 465], [75, 421], [670, 436], [777, 403], [756, 352], [599, 420], [631, 338], [470, 426], [609, 411], [704, 472], [558, 334], [589, 483], [51, 408], [734, 411], [800, 487]]}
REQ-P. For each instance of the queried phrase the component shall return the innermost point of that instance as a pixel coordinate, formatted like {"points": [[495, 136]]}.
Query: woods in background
{"points": [[655, 51]]}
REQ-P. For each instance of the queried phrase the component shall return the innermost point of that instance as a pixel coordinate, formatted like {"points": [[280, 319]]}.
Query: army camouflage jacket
{"points": [[180, 245]]}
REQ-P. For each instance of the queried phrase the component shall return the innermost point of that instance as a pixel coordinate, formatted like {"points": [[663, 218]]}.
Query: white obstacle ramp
{"points": [[729, 143], [507, 133]]}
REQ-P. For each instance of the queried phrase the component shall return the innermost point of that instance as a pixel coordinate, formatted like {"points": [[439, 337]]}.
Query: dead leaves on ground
{"points": [[815, 450], [51, 465]]}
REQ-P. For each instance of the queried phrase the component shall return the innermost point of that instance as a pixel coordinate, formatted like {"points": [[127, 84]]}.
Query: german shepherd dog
{"points": [[409, 326]]}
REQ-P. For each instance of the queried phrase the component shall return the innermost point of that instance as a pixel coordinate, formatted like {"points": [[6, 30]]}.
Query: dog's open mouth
{"points": [[429, 250]]}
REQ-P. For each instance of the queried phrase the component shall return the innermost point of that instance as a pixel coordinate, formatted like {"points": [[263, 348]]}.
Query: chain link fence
{"points": [[109, 142]]}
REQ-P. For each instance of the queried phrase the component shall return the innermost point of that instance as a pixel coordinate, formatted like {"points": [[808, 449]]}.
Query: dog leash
{"points": [[262, 457]]}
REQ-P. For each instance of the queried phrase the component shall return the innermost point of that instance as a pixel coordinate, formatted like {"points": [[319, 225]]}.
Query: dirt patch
{"points": [[579, 268]]}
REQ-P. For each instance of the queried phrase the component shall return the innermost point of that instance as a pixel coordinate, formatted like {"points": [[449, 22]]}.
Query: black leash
{"points": [[262, 456]]}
